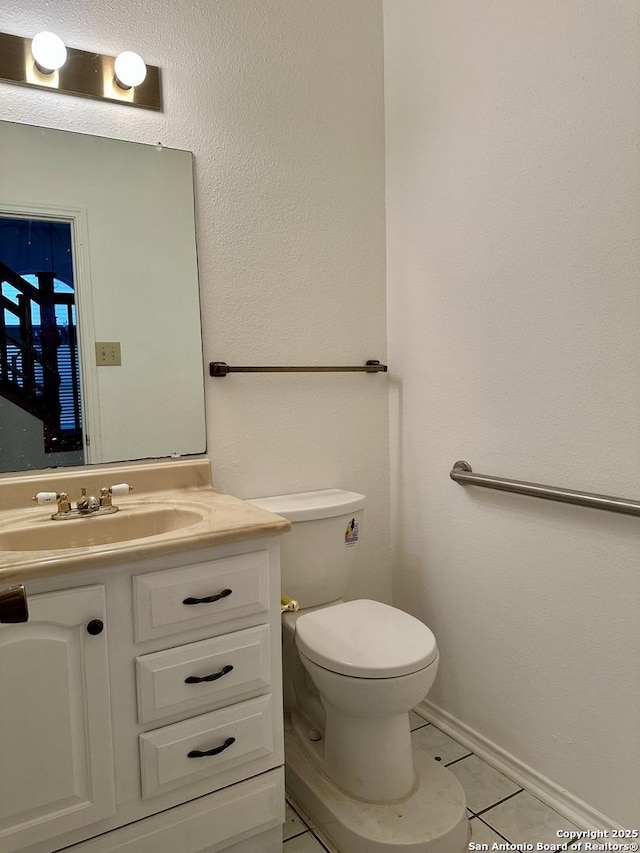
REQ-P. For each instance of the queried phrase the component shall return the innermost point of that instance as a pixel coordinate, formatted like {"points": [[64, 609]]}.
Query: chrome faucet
{"points": [[86, 505]]}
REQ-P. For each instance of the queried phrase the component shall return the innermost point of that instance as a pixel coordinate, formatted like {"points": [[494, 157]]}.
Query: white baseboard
{"points": [[568, 805]]}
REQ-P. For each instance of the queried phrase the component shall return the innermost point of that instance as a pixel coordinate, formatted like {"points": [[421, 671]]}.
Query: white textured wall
{"points": [[513, 197], [281, 102]]}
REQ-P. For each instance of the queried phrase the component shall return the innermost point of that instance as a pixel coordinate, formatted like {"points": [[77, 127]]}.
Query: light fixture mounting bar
{"points": [[90, 75]]}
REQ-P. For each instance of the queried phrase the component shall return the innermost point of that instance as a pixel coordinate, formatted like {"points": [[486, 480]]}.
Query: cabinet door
{"points": [[56, 757]]}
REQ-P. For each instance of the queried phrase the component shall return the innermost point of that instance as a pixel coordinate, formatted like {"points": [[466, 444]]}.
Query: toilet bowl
{"points": [[352, 672], [371, 664]]}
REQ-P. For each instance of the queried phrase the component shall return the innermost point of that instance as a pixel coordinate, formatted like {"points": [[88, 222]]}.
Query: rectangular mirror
{"points": [[100, 338]]}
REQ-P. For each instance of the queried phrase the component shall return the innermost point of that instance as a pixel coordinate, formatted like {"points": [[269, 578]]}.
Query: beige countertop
{"points": [[172, 490]]}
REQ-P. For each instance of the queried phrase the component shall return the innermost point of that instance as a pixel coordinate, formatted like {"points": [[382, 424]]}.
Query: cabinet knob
{"points": [[13, 604], [95, 627]]}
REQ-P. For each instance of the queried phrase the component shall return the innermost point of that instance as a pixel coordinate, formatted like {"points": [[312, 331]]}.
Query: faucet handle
{"points": [[45, 497], [120, 489], [64, 505]]}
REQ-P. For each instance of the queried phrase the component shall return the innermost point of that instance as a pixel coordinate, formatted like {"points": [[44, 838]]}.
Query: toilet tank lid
{"points": [[308, 506]]}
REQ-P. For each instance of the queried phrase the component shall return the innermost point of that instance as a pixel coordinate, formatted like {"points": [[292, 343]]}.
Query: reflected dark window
{"points": [[39, 362]]}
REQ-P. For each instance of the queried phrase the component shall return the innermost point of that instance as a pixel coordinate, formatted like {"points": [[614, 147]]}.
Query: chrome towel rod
{"points": [[463, 473], [221, 368]]}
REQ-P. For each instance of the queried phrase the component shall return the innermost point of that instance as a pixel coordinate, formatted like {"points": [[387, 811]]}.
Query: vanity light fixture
{"points": [[47, 63], [49, 52]]}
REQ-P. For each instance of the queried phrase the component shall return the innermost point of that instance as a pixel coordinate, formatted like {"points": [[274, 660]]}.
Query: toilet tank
{"points": [[319, 553]]}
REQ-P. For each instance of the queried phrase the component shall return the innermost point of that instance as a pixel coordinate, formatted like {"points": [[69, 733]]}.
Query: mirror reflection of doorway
{"points": [[40, 402]]}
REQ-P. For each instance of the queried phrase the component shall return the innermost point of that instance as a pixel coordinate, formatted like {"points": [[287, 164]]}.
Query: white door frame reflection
{"points": [[76, 218]]}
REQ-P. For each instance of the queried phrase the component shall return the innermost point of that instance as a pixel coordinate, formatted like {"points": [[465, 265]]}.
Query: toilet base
{"points": [[433, 819]]}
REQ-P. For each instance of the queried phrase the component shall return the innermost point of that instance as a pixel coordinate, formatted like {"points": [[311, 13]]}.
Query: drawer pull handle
{"points": [[196, 679], [197, 753], [209, 598]]}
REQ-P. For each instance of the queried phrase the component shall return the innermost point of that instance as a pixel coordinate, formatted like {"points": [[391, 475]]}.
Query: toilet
{"points": [[352, 672]]}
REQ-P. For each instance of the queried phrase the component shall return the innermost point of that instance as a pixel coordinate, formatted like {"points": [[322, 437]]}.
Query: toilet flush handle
{"points": [[288, 605]]}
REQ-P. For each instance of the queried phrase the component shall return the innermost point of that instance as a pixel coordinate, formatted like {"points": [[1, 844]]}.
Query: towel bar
{"points": [[221, 368]]}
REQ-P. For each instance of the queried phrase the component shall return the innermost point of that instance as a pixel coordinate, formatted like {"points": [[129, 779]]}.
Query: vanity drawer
{"points": [[228, 668], [218, 591], [233, 736]]}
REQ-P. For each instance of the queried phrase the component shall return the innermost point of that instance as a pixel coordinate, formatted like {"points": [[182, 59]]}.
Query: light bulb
{"points": [[49, 52], [130, 69]]}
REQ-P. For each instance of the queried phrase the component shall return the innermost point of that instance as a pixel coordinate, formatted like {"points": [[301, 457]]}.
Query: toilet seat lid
{"points": [[365, 639]]}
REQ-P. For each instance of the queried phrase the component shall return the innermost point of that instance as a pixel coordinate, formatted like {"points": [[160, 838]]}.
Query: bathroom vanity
{"points": [[140, 704]]}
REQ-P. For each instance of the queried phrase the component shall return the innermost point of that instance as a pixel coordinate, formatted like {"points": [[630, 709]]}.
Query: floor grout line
{"points": [[296, 835], [497, 803], [320, 841], [492, 828], [456, 760]]}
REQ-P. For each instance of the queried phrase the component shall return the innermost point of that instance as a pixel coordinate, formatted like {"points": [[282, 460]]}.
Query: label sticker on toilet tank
{"points": [[352, 533]]}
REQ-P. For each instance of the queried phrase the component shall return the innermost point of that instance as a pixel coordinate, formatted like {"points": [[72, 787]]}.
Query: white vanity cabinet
{"points": [[159, 732]]}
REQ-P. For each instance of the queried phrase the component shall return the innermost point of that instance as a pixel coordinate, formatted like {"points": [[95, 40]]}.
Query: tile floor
{"points": [[499, 809]]}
